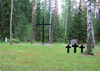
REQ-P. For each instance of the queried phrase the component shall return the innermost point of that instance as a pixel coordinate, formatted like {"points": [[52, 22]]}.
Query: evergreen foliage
{"points": [[38, 20], [77, 29], [5, 23], [0, 16], [22, 19]]}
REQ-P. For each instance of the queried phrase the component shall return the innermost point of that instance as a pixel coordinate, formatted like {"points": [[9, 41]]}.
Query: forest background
{"points": [[49, 9]]}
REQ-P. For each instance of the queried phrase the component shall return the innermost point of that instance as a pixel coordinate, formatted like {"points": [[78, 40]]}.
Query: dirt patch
{"points": [[97, 55], [43, 44], [82, 43]]}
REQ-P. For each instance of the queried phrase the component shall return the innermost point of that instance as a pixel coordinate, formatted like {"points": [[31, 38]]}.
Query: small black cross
{"points": [[75, 46], [43, 30], [82, 47], [68, 48]]}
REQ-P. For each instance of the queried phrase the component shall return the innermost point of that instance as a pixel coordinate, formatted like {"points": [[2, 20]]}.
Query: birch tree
{"points": [[66, 20], [89, 29], [32, 21], [11, 22]]}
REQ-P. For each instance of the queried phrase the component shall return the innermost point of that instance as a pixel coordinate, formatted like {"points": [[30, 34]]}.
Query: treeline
{"points": [[22, 21]]}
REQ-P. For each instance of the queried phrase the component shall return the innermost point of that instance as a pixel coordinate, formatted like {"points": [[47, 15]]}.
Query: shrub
{"points": [[16, 40], [61, 40]]}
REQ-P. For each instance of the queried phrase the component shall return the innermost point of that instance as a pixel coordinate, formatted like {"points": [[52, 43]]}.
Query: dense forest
{"points": [[69, 23]]}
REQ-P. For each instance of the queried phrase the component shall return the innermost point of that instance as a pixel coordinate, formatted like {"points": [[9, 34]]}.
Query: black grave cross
{"points": [[75, 46], [68, 48], [43, 30], [82, 47]]}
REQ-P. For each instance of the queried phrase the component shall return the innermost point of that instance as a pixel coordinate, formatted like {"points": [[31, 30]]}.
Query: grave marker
{"points": [[68, 47], [73, 41], [75, 46], [5, 39], [43, 30], [82, 47]]}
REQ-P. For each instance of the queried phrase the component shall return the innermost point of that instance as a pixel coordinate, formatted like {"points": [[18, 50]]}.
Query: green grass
{"points": [[28, 57]]}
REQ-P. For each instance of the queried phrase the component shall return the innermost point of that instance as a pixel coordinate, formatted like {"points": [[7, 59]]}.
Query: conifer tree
{"points": [[98, 20], [5, 26], [21, 20], [50, 10], [38, 19], [54, 20], [66, 20]]}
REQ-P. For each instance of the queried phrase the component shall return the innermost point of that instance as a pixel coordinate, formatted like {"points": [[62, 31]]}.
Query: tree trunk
{"points": [[66, 20], [89, 29], [95, 8], [98, 20], [32, 22], [84, 12], [73, 8], [50, 29], [93, 37], [53, 21], [11, 22], [45, 6], [50, 21], [45, 10]]}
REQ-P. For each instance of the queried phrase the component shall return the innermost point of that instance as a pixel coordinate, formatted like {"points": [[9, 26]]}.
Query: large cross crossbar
{"points": [[43, 30]]}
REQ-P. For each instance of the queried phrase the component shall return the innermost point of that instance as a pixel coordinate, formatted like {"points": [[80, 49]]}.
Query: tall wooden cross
{"points": [[43, 30]]}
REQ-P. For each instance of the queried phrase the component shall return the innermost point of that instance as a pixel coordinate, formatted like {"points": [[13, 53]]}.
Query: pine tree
{"points": [[22, 19], [5, 26], [66, 20], [78, 33], [50, 10], [73, 7], [98, 22], [54, 20], [32, 21], [69, 23], [38, 20]]}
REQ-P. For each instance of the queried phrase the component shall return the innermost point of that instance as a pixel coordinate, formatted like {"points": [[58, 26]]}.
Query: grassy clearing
{"points": [[28, 57]]}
